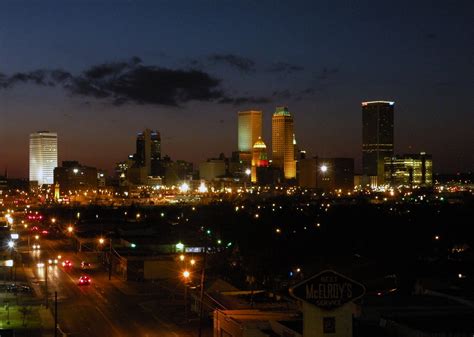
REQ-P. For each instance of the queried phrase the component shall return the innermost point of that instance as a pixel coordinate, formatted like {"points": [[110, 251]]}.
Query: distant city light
{"points": [[323, 168], [202, 188], [184, 187]]}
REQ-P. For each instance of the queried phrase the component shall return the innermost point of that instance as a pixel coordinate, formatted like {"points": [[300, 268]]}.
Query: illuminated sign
{"points": [[328, 290], [14, 236], [194, 249]]}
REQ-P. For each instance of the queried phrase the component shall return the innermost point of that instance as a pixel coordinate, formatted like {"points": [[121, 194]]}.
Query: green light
{"points": [[179, 246], [208, 231], [229, 244], [133, 245]]}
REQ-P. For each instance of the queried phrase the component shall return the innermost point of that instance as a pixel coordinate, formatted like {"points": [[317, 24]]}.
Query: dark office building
{"points": [[73, 177], [377, 137], [308, 171], [335, 173], [148, 152]]}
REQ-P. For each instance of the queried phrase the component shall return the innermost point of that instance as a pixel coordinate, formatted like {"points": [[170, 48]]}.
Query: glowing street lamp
{"points": [[180, 246], [181, 257], [101, 241], [248, 172], [324, 168], [70, 229], [11, 244], [184, 187], [186, 275]]}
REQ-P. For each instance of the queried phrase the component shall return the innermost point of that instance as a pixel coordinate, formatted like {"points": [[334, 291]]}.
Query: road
{"points": [[103, 308]]}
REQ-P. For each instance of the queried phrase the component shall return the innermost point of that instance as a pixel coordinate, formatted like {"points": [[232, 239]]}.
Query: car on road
{"points": [[84, 280], [67, 264], [85, 265], [53, 261], [36, 246]]}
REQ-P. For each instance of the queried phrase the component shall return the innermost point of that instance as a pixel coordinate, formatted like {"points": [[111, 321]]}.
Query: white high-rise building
{"points": [[43, 156]]}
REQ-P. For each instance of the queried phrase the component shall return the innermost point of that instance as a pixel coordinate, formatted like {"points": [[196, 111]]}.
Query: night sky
{"points": [[98, 72]]}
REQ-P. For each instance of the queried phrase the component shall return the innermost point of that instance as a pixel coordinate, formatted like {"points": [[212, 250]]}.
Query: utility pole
{"points": [[185, 302], [55, 314], [203, 274], [46, 282], [110, 259]]}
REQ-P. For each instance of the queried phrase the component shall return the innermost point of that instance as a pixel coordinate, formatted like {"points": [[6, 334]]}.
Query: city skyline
{"points": [[68, 86]]}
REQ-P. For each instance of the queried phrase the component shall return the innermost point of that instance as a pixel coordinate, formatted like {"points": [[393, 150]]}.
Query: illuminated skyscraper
{"points": [[377, 137], [249, 129], [259, 157], [283, 149], [43, 156]]}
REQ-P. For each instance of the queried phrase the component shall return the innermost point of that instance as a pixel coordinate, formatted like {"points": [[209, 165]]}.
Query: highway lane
{"points": [[98, 309]]}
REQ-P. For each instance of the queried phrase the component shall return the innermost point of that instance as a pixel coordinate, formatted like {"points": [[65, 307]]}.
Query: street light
{"points": [[186, 275], [101, 241], [324, 168], [11, 244], [70, 229]]}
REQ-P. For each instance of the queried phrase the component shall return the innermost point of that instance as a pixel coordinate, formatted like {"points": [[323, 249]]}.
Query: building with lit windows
{"points": [[43, 157], [259, 158], [283, 148], [377, 137], [409, 170]]}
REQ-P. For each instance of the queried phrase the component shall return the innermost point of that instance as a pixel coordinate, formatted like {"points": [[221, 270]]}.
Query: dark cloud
{"points": [[326, 73], [293, 95], [133, 82], [244, 100], [284, 67], [282, 94], [240, 63]]}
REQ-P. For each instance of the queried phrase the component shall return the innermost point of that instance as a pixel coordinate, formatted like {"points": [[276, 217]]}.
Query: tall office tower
{"points": [[148, 153], [259, 158], [377, 137], [283, 149], [249, 129], [43, 156]]}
